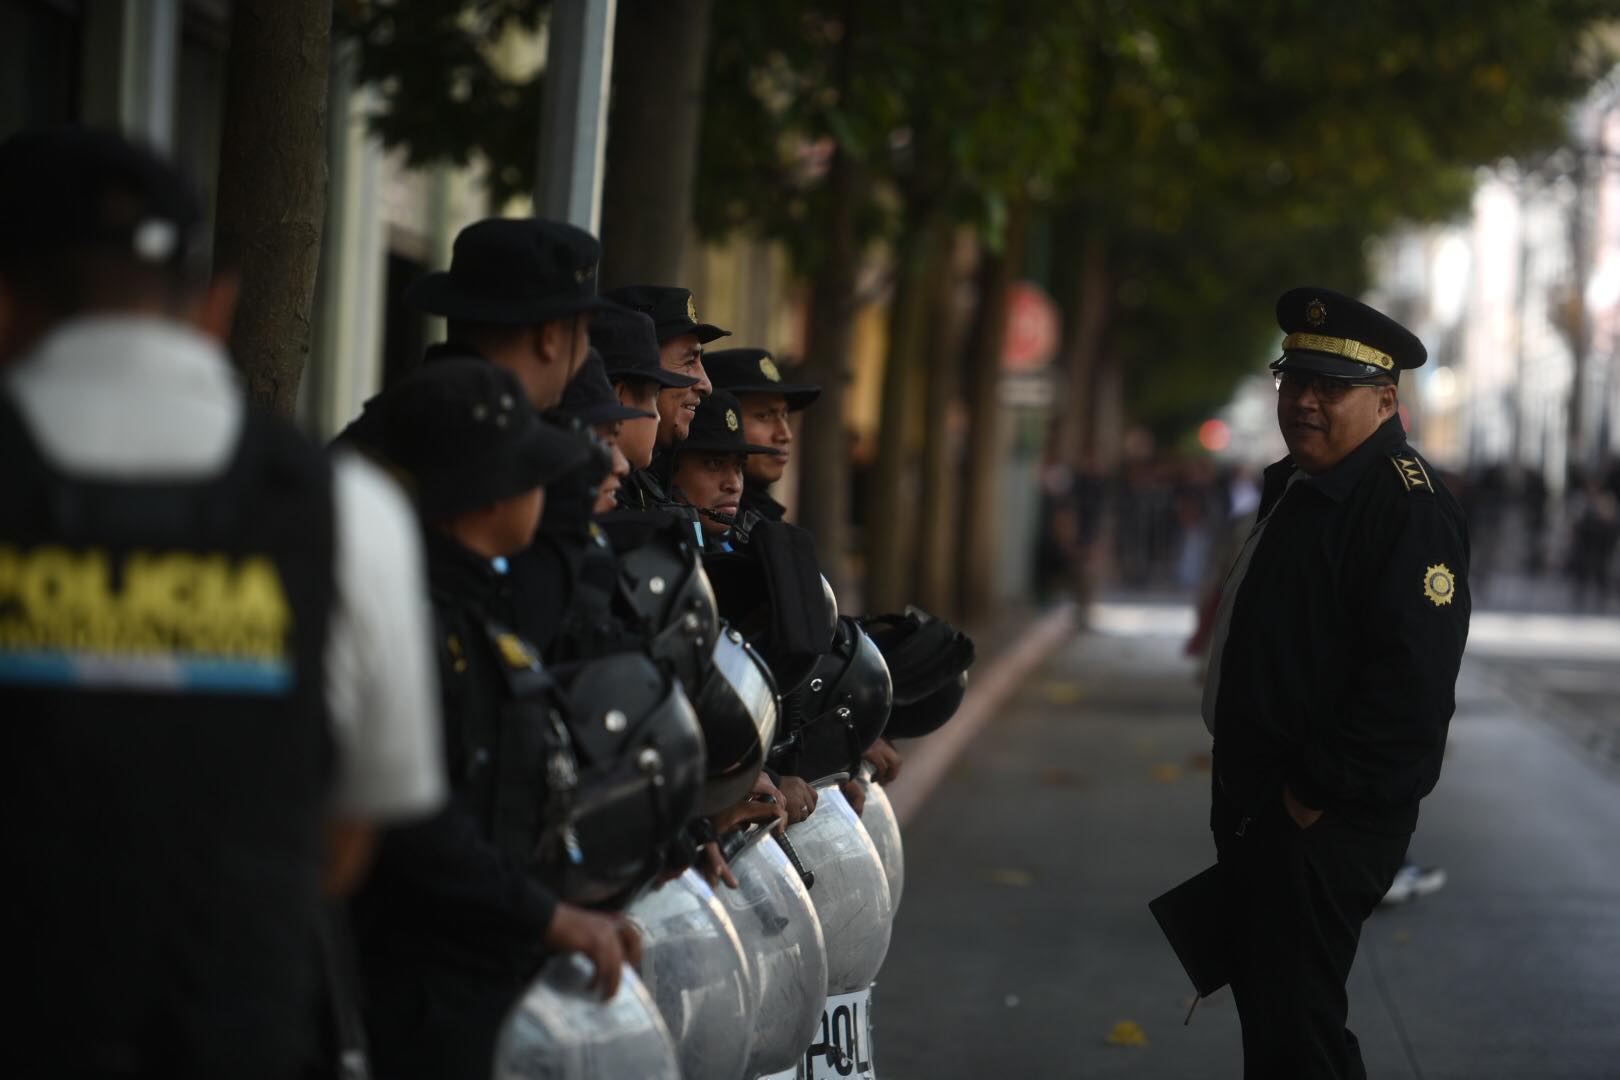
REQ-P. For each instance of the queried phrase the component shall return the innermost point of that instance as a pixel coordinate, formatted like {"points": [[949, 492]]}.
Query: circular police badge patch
{"points": [[1316, 313], [1438, 585], [767, 368], [731, 419], [691, 309]]}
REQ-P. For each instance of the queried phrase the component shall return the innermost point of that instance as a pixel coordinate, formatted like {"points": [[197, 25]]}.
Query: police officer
{"points": [[1336, 647], [628, 345], [767, 404], [454, 921], [707, 467], [213, 654], [681, 337]]}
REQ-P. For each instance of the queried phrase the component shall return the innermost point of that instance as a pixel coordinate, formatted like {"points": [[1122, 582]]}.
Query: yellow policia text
{"points": [[171, 602]]}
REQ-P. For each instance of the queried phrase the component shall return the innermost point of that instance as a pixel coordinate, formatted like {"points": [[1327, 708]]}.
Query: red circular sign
{"points": [[1033, 324]]}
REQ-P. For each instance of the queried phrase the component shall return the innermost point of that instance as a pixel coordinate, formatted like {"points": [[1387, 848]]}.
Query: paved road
{"points": [[1023, 941]]}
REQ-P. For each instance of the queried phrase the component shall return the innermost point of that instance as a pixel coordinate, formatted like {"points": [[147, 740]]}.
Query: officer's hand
{"points": [[1303, 815], [752, 808], [800, 798], [885, 759], [605, 940], [855, 792], [714, 868]]}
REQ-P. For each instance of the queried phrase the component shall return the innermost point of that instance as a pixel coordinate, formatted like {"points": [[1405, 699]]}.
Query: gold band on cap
{"points": [[1338, 346]]}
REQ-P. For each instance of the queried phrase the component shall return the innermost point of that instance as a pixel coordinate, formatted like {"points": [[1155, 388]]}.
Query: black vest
{"points": [[166, 761]]}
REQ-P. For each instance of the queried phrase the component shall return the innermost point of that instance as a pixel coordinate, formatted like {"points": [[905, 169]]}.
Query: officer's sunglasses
{"points": [[1327, 389]]}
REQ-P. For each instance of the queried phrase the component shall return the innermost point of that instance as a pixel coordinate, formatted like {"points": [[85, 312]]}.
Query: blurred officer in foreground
{"points": [[454, 922], [213, 651], [1335, 654]]}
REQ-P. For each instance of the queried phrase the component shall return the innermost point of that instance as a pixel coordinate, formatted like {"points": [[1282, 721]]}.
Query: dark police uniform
{"points": [[450, 925], [167, 761], [1336, 679]]}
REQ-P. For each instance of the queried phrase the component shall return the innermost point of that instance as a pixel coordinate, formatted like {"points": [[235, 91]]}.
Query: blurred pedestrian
{"points": [[1331, 681], [213, 662]]}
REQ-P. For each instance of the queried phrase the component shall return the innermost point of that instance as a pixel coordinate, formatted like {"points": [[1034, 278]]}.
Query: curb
{"points": [[926, 766]]}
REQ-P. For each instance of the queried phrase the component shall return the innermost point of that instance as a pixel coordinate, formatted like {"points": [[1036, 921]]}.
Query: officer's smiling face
{"points": [[683, 356], [1321, 431]]}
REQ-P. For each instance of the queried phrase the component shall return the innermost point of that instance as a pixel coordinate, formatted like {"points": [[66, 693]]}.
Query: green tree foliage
{"points": [[445, 96]]}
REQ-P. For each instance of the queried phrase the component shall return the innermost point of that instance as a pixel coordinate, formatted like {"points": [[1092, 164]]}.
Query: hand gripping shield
{"points": [[693, 964], [639, 754], [561, 1030]]}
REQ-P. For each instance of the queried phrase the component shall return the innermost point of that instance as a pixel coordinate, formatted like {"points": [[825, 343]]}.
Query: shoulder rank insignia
{"points": [[515, 652], [1412, 473], [1438, 585], [458, 658]]}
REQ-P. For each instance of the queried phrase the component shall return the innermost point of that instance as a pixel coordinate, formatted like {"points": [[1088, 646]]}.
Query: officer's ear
{"points": [[216, 307], [1388, 401]]}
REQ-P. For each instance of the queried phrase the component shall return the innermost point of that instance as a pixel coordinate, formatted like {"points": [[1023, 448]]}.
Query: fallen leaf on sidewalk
{"points": [[1063, 693], [1021, 879], [1127, 1033], [1063, 778], [1167, 772]]}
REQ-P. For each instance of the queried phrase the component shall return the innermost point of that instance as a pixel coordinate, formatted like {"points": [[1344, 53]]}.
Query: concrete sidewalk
{"points": [[1024, 944]]}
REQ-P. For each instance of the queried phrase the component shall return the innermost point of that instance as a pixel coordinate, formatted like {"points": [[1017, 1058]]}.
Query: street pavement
{"points": [[1024, 948]]}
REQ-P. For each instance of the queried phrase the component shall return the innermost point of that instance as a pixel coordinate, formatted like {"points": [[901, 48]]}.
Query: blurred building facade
{"points": [[1519, 304]]}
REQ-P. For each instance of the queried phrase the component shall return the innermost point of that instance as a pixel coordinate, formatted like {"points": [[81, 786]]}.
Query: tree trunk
{"points": [[892, 533], [272, 186], [824, 475], [1090, 311], [981, 516], [945, 327], [658, 61]]}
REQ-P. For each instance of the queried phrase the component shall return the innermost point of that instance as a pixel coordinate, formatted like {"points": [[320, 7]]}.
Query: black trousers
{"points": [[426, 1022], [1299, 898]]}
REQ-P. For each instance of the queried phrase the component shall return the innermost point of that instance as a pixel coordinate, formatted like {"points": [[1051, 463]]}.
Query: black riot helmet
{"points": [[773, 593], [639, 757], [662, 582], [738, 710], [839, 711], [928, 659]]}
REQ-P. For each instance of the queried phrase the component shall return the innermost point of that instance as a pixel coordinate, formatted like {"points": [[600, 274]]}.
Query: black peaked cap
{"points": [[754, 371], [717, 428], [671, 309], [1329, 333]]}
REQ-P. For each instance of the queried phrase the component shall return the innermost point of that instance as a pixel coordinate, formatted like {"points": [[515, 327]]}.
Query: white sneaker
{"points": [[1413, 882]]}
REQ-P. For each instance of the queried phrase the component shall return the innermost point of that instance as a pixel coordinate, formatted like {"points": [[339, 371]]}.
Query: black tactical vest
{"points": [[166, 761]]}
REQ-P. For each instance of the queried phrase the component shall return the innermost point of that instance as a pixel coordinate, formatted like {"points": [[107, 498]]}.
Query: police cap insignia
{"points": [[767, 368], [691, 309], [515, 652], [1316, 312], [731, 419], [1438, 585]]}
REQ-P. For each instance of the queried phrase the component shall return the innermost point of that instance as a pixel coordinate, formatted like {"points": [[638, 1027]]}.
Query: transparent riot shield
{"points": [[787, 954], [884, 829], [693, 964], [561, 1030], [850, 893]]}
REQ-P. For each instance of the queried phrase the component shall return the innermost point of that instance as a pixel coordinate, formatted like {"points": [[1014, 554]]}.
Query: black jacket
{"points": [[1338, 670], [444, 890]]}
